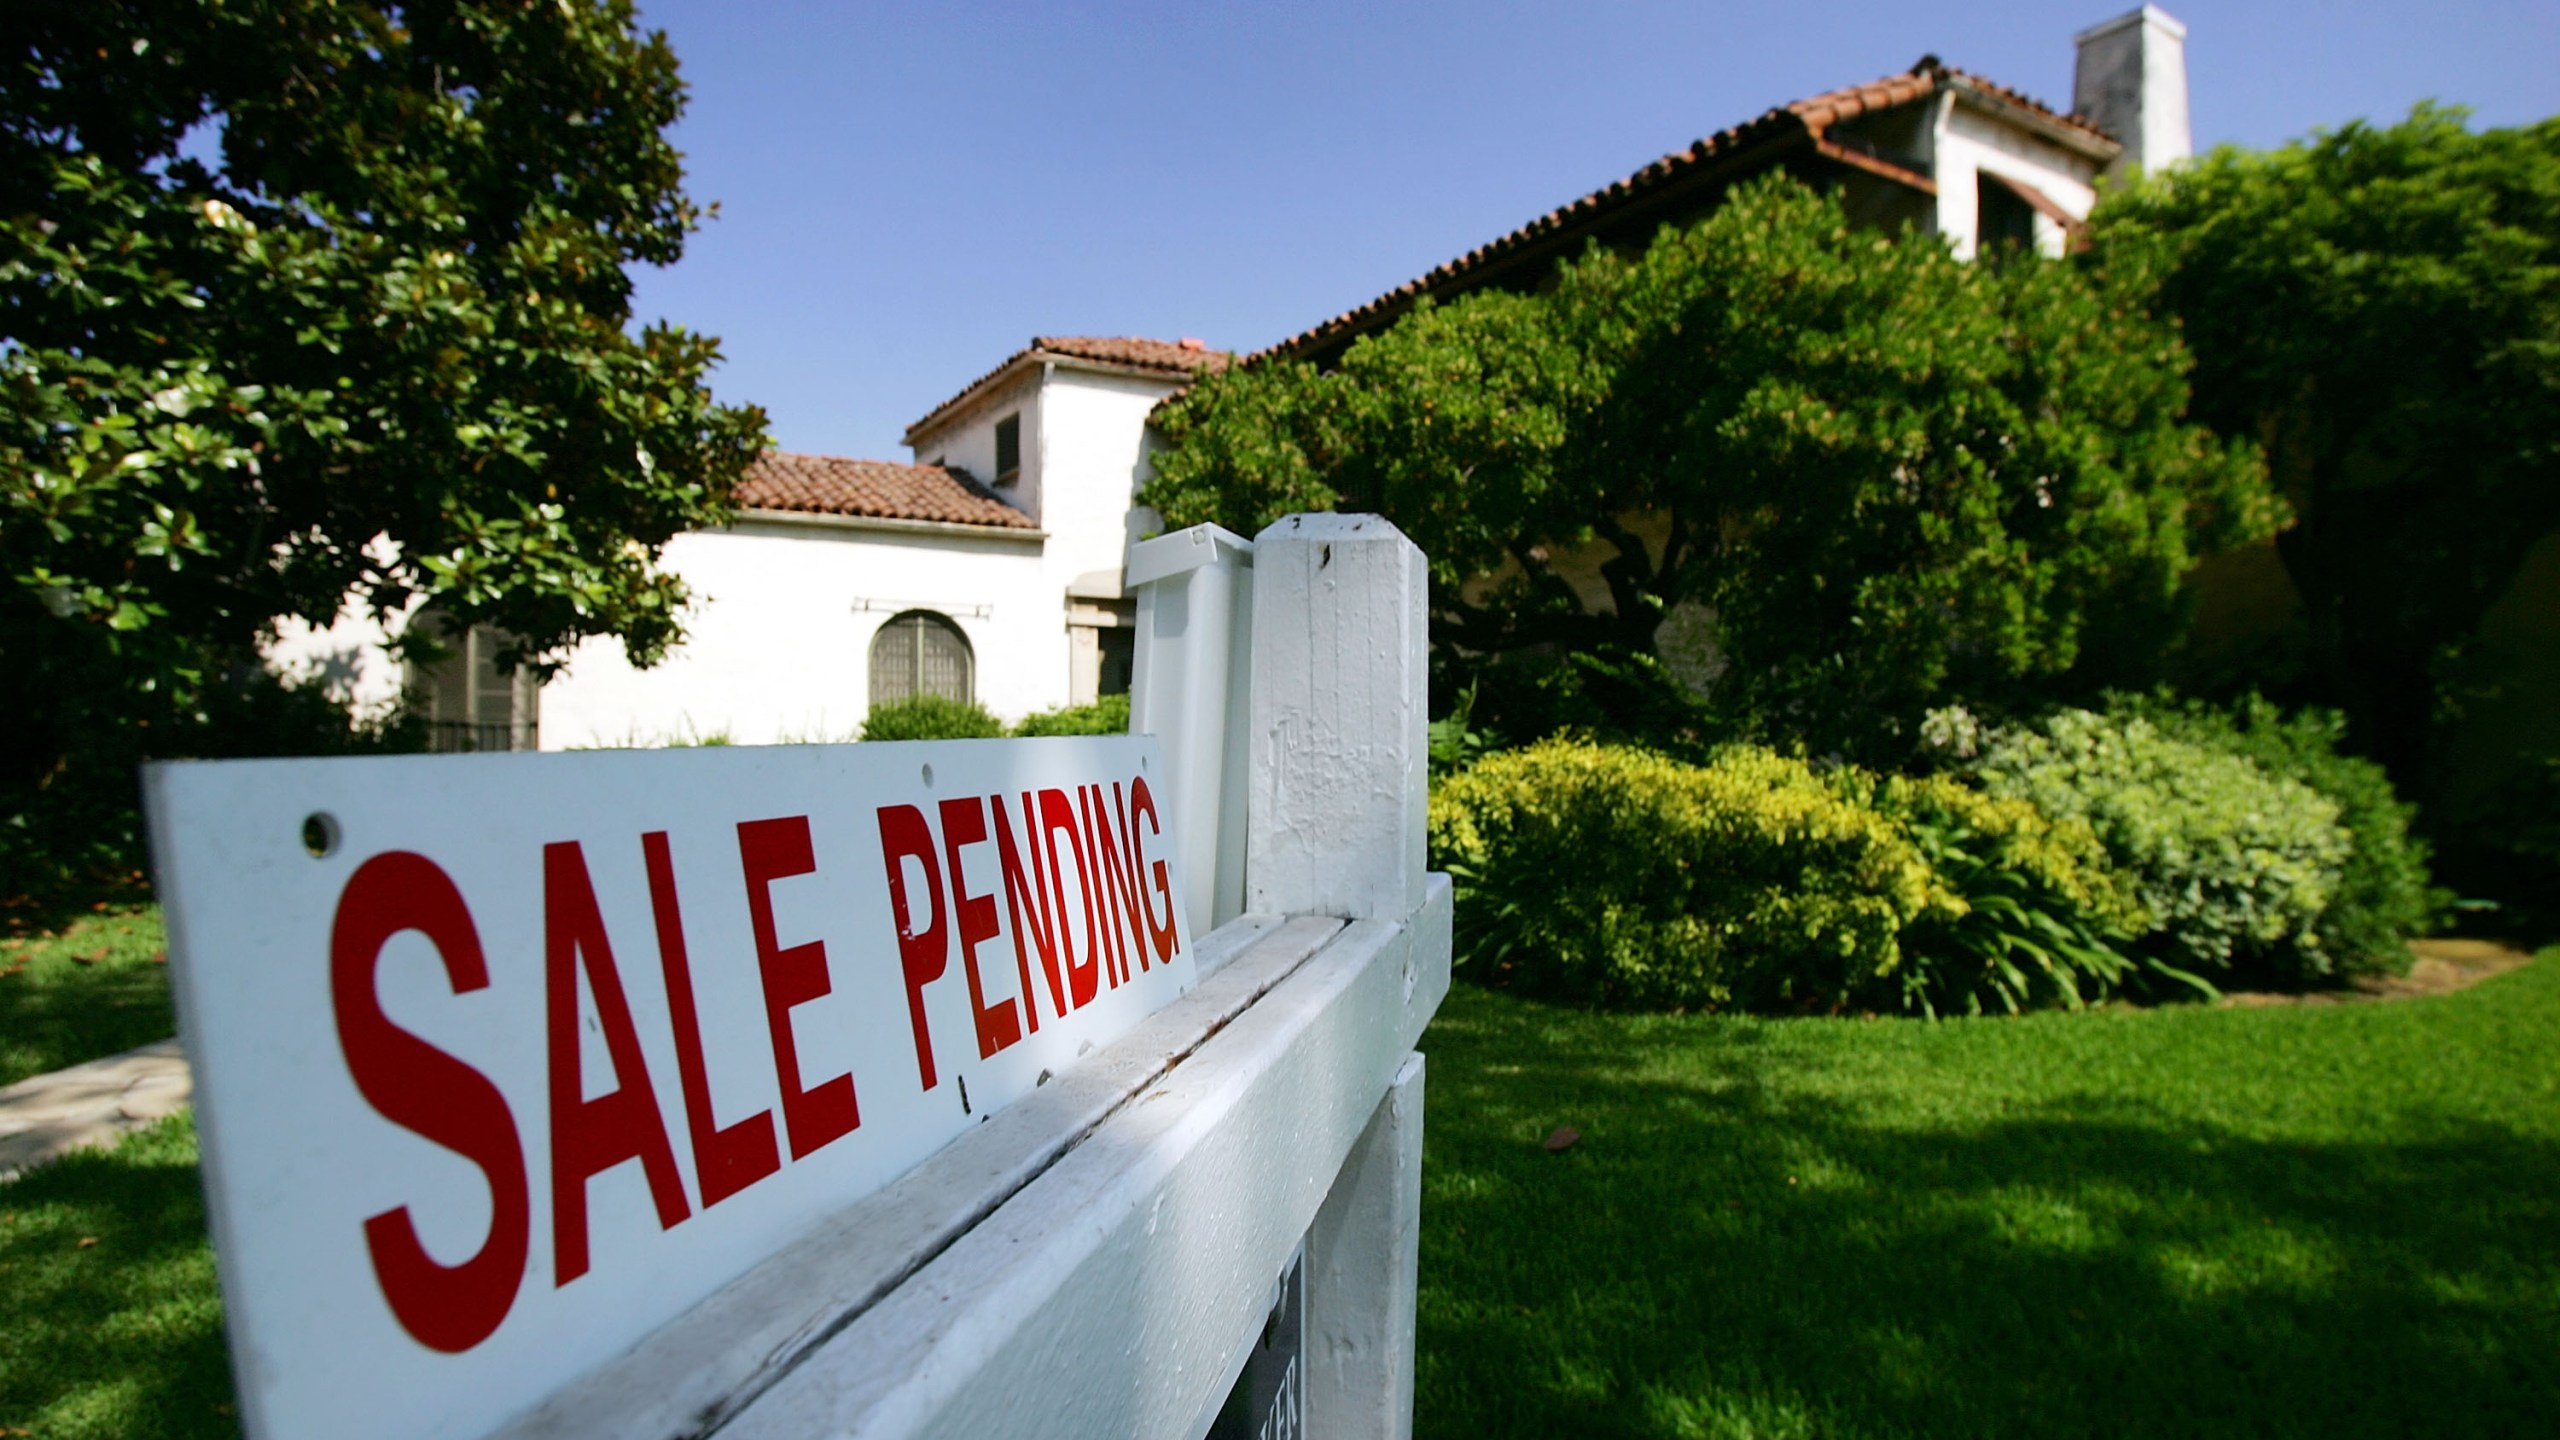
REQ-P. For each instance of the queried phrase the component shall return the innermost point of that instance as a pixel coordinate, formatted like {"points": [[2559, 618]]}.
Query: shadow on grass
{"points": [[1756, 1241], [92, 989], [109, 1320]]}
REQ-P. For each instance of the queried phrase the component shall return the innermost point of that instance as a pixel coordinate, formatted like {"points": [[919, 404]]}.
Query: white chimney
{"points": [[2132, 83]]}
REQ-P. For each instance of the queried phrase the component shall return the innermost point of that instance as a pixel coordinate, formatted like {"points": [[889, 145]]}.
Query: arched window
{"points": [[920, 653]]}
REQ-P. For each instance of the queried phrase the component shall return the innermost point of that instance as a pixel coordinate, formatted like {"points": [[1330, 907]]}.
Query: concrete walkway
{"points": [[99, 1103]]}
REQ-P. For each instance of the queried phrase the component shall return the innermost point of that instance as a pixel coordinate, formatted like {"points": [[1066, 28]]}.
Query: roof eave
{"points": [[1773, 147], [832, 520], [952, 409], [2086, 143], [1014, 366]]}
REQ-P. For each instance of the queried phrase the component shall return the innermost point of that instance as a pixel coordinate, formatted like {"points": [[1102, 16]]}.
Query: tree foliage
{"points": [[2379, 307], [321, 302], [1889, 477]]}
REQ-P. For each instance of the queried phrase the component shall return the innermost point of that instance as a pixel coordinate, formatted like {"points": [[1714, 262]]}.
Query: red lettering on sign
{"points": [[922, 954], [1057, 815], [964, 822], [424, 1090], [1098, 890], [770, 850], [1120, 862], [589, 1137], [1166, 937], [1026, 904], [725, 1161]]}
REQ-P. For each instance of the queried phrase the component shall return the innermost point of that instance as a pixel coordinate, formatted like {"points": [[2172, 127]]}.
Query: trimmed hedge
{"points": [[2098, 856], [1106, 716], [2384, 893], [931, 717], [2233, 866], [1617, 877]]}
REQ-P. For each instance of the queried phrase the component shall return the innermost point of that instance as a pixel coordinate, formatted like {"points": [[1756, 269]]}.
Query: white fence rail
{"points": [[1098, 1260], [1100, 1257]]}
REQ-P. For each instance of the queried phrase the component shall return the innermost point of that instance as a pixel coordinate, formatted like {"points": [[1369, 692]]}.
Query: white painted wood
{"points": [[1195, 626], [1334, 824], [1363, 1276], [692, 1374], [617, 919], [1107, 1296], [1095, 1259]]}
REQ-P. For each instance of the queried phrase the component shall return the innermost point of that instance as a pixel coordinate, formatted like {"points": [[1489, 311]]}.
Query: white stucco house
{"points": [[988, 568], [988, 565]]}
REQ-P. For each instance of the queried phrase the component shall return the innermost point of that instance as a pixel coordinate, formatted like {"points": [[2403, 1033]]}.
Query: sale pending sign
{"points": [[503, 1061]]}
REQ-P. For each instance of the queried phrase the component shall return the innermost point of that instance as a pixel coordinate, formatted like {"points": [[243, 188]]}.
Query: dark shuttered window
{"points": [[920, 653], [1008, 449]]}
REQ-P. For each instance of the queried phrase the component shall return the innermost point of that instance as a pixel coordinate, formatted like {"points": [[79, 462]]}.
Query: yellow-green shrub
{"points": [[1618, 877]]}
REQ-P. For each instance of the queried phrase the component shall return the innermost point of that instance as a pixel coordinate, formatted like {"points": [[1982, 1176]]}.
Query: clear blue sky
{"points": [[910, 191]]}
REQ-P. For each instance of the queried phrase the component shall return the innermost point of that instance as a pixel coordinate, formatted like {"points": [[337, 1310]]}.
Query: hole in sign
{"points": [[928, 777], [320, 834]]}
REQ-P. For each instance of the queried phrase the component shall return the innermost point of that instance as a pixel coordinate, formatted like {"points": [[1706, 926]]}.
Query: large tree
{"points": [[2380, 309], [307, 303], [1892, 480]]}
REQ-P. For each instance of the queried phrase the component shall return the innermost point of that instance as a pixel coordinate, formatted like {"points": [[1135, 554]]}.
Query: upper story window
{"points": [[2004, 222], [1009, 449]]}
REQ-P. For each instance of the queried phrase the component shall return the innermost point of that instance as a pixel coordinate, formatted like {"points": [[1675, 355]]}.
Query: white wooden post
{"points": [[1336, 827], [1341, 765], [1097, 1257], [1364, 1274], [1195, 622]]}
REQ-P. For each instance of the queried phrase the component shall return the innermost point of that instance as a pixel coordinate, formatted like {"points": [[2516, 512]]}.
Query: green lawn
{"points": [[110, 1325], [2307, 1221], [2313, 1221], [93, 988]]}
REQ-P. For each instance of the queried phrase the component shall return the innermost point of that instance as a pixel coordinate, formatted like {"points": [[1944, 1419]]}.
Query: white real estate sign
{"points": [[505, 1061]]}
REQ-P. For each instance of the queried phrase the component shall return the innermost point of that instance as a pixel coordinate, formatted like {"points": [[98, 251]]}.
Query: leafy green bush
{"points": [[2384, 893], [931, 717], [2233, 866], [1611, 694], [1619, 877], [1453, 742], [79, 826], [1106, 716], [2040, 917]]}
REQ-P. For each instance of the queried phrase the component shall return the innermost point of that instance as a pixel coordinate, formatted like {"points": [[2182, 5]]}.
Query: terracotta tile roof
{"points": [[1177, 357], [879, 489], [1761, 142], [1169, 357], [1966, 80]]}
